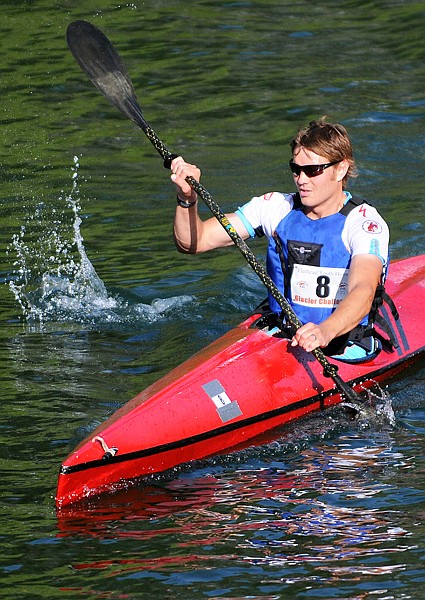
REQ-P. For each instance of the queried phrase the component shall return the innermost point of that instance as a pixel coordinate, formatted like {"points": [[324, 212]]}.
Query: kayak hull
{"points": [[247, 382]]}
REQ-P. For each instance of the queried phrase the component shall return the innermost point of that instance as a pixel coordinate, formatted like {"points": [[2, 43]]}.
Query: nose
{"points": [[301, 178]]}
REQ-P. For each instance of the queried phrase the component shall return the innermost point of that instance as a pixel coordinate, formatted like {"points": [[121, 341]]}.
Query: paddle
{"points": [[99, 60]]}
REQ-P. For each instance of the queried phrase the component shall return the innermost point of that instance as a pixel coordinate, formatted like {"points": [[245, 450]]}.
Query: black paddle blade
{"points": [[100, 61]]}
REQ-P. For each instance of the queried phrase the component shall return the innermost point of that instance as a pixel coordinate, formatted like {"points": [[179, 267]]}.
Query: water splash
{"points": [[384, 406], [53, 278], [380, 403]]}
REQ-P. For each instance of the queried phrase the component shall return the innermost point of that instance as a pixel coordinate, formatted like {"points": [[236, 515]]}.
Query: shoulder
{"points": [[272, 199], [266, 211], [366, 217], [366, 232]]}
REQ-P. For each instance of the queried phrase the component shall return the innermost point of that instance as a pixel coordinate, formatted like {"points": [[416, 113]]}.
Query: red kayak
{"points": [[247, 382]]}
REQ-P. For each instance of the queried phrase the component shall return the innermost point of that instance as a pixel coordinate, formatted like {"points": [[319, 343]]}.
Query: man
{"points": [[327, 253]]}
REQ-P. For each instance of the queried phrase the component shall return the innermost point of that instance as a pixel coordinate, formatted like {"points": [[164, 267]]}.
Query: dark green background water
{"points": [[327, 510]]}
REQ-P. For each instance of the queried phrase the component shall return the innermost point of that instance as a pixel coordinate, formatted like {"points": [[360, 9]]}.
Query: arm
{"points": [[364, 276], [191, 234]]}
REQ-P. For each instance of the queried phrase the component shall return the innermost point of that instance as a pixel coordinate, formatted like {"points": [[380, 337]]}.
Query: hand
{"points": [[311, 336], [180, 169]]}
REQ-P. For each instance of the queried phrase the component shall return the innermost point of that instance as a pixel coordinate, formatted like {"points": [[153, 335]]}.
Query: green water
{"points": [[326, 511]]}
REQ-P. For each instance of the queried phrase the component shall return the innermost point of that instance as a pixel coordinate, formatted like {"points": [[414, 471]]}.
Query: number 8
{"points": [[322, 290]]}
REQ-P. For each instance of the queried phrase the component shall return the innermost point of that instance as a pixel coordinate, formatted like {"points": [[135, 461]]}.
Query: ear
{"points": [[341, 169]]}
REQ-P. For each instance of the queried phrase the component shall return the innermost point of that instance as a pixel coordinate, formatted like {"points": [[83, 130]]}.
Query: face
{"points": [[323, 192]]}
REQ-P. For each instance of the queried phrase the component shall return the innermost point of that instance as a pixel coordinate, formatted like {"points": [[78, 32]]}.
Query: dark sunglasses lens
{"points": [[296, 170], [309, 170], [313, 170]]}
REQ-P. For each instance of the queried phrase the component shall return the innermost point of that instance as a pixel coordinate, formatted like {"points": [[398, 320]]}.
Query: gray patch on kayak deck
{"points": [[227, 409], [229, 412]]}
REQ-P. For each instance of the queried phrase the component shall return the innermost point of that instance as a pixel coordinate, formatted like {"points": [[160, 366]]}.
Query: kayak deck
{"points": [[245, 383]]}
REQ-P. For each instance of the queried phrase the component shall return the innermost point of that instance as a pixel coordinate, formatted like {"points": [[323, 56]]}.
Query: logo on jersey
{"points": [[372, 227]]}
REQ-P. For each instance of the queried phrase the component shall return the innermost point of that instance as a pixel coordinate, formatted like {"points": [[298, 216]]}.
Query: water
{"points": [[97, 304]]}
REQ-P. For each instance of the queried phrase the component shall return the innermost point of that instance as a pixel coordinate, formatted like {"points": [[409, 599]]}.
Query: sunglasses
{"points": [[310, 170]]}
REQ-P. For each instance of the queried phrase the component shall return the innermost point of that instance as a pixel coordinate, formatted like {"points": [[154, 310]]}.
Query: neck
{"points": [[325, 209]]}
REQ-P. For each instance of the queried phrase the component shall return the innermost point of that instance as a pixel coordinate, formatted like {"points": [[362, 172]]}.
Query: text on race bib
{"points": [[318, 286]]}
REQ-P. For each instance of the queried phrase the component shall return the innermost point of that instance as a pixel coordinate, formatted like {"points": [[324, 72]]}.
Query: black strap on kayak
{"points": [[279, 250], [375, 316]]}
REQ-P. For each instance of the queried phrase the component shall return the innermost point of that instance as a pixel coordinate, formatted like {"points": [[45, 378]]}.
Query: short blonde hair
{"points": [[330, 140]]}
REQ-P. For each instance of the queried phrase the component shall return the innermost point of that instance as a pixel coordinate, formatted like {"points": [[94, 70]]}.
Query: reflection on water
{"points": [[319, 515]]}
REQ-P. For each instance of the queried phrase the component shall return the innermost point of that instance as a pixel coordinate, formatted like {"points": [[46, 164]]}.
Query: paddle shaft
{"points": [[329, 370], [102, 64]]}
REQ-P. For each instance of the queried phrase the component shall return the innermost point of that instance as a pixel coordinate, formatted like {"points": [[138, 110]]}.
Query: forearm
{"points": [[365, 273], [187, 229], [349, 313], [187, 224], [346, 316], [191, 233]]}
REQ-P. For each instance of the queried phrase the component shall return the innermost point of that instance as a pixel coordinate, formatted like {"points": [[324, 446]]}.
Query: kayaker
{"points": [[327, 252]]}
